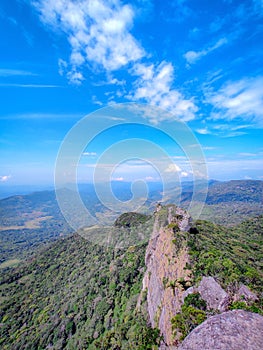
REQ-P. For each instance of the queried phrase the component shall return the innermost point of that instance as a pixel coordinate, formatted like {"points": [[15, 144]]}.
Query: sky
{"points": [[199, 60]]}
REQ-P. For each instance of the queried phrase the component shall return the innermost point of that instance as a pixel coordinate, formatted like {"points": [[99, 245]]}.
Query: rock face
{"points": [[232, 330], [244, 294], [214, 295], [167, 282], [166, 259]]}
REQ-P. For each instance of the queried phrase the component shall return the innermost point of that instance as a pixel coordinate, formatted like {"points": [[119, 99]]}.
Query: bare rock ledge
{"points": [[232, 330]]}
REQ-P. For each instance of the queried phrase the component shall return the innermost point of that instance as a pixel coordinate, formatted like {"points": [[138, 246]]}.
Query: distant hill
{"points": [[231, 202], [246, 191], [227, 203], [29, 221]]}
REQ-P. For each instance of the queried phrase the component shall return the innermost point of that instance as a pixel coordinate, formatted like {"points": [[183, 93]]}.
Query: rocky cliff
{"points": [[177, 302], [166, 260]]}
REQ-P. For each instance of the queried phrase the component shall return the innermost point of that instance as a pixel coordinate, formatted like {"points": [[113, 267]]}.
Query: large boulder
{"points": [[232, 330], [214, 295]]}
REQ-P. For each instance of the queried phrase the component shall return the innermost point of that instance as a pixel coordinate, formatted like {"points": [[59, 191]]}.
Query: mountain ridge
{"points": [[81, 295], [19, 213]]}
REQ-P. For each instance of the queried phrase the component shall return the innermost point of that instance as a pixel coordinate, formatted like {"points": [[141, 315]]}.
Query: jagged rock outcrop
{"points": [[212, 293], [166, 260], [232, 330], [167, 282], [245, 294]]}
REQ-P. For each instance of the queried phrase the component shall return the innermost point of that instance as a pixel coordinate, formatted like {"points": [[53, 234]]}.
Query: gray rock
{"points": [[232, 330], [245, 294], [214, 295]]}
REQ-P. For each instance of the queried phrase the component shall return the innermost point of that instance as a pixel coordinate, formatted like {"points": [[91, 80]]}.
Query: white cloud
{"points": [[154, 86], [247, 154], [89, 154], [99, 34], [203, 131], [208, 148], [184, 174], [173, 168], [15, 72], [96, 101], [150, 178], [97, 30], [75, 77], [31, 86], [45, 116], [110, 81], [5, 178], [193, 56], [240, 99], [118, 178]]}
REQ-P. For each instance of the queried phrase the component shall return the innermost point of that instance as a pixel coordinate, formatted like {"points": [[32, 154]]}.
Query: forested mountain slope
{"points": [[79, 295]]}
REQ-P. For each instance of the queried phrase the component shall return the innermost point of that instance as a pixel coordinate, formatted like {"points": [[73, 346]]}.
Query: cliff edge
{"points": [[194, 313], [166, 261]]}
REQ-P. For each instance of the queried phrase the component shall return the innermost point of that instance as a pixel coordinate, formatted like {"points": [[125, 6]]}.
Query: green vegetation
{"points": [[28, 222], [75, 295], [192, 314], [230, 255], [174, 226], [254, 307], [9, 263], [227, 203], [235, 191], [131, 219]]}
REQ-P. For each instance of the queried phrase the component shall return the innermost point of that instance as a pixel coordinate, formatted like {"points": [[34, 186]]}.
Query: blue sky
{"points": [[62, 59]]}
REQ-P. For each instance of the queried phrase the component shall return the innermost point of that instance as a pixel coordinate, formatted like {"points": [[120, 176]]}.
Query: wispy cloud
{"points": [[154, 86], [4, 72], [118, 179], [223, 130], [247, 154], [241, 99], [4, 178], [173, 168], [208, 148], [203, 131], [89, 154], [31, 86], [193, 56], [31, 116]]}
